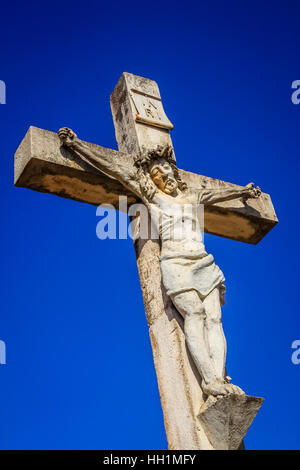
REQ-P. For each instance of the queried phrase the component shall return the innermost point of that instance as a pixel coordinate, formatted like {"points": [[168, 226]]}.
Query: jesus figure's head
{"points": [[157, 170], [162, 175]]}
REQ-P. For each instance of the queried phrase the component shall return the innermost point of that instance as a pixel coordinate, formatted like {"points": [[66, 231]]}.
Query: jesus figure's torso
{"points": [[185, 264], [177, 221]]}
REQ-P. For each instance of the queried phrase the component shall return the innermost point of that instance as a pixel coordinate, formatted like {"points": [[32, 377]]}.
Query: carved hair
{"points": [[143, 164]]}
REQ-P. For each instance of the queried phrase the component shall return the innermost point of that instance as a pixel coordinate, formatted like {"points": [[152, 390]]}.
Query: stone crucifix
{"points": [[183, 288]]}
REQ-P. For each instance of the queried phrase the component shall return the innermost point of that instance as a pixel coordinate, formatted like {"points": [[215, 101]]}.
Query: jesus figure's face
{"points": [[162, 175]]}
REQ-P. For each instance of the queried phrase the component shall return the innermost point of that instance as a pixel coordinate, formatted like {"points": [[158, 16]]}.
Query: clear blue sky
{"points": [[79, 370]]}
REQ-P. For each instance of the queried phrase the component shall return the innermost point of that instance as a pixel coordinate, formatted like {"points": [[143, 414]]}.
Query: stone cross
{"points": [[192, 420]]}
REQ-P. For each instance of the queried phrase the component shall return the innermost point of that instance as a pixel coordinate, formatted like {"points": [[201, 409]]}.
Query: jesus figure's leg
{"points": [[214, 331], [192, 310], [215, 336]]}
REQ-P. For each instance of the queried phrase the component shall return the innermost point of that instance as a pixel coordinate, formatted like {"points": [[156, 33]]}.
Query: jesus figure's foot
{"points": [[215, 388], [233, 389]]}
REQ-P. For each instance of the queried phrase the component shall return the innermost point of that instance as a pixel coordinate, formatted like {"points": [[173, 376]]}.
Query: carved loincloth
{"points": [[195, 270]]}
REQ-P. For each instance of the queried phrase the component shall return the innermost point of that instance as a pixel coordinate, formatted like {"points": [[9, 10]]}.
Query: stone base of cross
{"points": [[192, 420]]}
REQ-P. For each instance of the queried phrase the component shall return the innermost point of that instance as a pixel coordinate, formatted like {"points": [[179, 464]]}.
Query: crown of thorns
{"points": [[147, 156]]}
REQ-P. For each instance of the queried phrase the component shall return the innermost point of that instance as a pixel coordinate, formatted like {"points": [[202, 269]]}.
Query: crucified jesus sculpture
{"points": [[190, 276]]}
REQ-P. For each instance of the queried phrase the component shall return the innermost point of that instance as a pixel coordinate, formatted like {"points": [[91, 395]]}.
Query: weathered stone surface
{"points": [[227, 419], [42, 164]]}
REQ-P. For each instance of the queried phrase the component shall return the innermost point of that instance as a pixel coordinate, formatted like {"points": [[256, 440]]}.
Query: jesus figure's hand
{"points": [[67, 136], [251, 192]]}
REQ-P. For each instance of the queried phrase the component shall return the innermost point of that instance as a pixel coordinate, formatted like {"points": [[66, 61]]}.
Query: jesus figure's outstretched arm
{"points": [[116, 166], [210, 196]]}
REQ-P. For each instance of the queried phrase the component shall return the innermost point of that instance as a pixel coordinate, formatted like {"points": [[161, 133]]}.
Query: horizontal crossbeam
{"points": [[43, 165]]}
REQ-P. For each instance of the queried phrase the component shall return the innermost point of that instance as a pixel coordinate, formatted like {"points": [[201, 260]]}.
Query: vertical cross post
{"points": [[140, 121]]}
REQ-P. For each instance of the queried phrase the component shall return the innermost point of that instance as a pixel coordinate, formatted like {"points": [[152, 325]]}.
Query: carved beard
{"points": [[170, 185]]}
